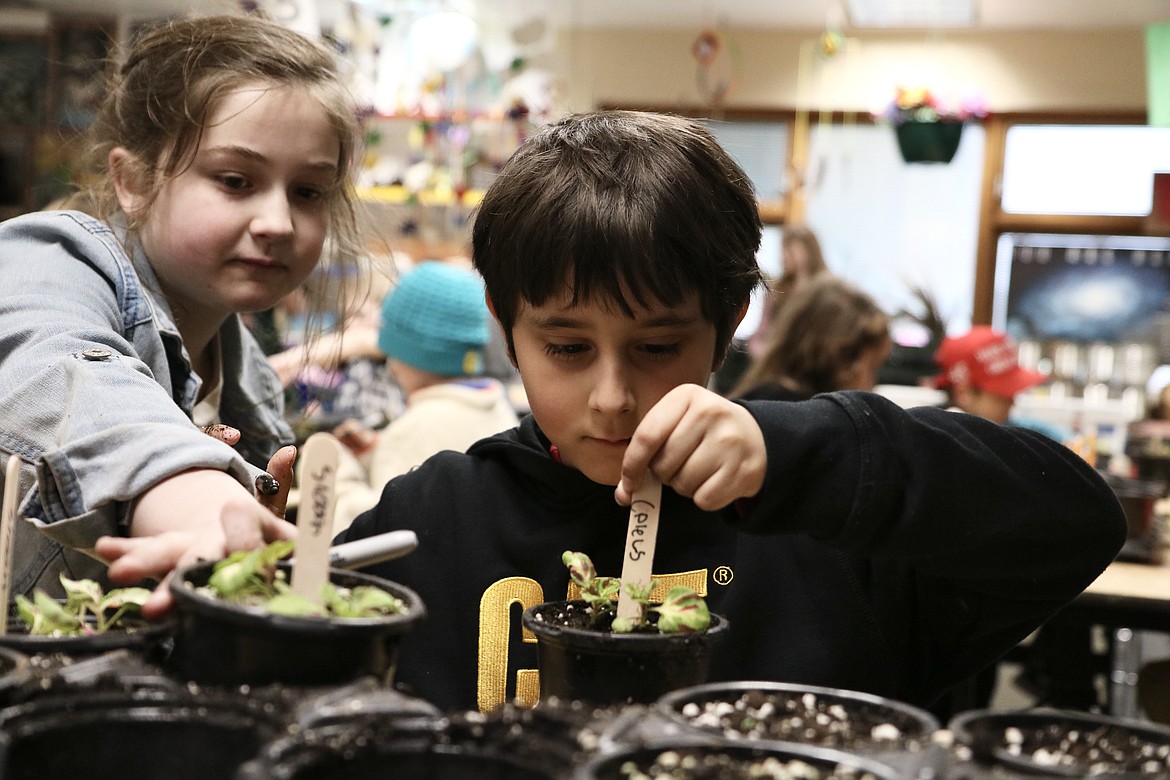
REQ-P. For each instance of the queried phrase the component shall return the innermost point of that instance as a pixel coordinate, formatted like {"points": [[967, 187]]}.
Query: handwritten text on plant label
{"points": [[638, 541]]}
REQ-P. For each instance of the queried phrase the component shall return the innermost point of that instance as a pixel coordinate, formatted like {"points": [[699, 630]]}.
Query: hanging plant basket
{"points": [[929, 142]]}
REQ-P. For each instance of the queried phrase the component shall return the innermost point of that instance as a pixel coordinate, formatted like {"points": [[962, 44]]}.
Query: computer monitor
{"points": [[1082, 288]]}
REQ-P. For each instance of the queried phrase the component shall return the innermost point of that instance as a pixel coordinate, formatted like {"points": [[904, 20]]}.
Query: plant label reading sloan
{"points": [[641, 535], [315, 517]]}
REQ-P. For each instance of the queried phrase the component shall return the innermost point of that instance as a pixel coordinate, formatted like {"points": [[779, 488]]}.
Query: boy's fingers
{"points": [[643, 446], [700, 474], [731, 463], [717, 491], [703, 446], [659, 424], [110, 548]]}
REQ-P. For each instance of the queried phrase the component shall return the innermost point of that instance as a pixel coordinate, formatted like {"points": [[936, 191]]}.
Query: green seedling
{"points": [[85, 611], [599, 592], [681, 611], [252, 578]]}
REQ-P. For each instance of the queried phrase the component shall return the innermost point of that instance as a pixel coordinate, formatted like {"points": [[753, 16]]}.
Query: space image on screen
{"points": [[1081, 288]]}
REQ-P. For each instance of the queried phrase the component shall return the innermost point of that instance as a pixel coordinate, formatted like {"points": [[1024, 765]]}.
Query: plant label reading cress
{"points": [[641, 535], [310, 572]]}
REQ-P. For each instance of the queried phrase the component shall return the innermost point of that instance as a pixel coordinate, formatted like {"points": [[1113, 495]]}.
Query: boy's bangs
{"points": [[606, 263], [629, 210]]}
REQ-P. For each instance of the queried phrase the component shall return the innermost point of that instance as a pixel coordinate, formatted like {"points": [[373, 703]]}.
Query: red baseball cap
{"points": [[985, 359]]}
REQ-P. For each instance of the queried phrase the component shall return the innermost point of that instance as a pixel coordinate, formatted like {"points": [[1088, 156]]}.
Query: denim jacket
{"points": [[96, 392]]}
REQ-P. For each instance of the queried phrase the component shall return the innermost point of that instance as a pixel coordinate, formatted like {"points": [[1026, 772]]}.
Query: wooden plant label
{"points": [[641, 535], [7, 530], [310, 569]]}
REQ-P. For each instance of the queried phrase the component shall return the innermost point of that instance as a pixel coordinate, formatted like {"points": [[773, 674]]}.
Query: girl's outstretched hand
{"points": [[701, 444], [173, 523], [156, 548]]}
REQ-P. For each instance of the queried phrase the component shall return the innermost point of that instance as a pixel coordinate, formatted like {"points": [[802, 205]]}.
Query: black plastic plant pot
{"points": [[421, 764], [893, 732], [144, 736], [686, 761], [217, 642], [403, 759], [604, 668], [461, 746], [790, 712], [149, 639], [1064, 743]]}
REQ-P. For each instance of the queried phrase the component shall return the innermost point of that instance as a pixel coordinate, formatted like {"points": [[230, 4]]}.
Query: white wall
{"points": [[1016, 71]]}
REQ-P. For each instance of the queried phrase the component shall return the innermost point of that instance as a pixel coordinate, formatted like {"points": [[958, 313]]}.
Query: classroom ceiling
{"points": [[798, 14]]}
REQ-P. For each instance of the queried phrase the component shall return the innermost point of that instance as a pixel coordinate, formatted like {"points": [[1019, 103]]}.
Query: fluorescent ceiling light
{"points": [[911, 13]]}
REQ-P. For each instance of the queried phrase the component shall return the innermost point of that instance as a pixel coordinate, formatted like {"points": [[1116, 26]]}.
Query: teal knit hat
{"points": [[436, 320]]}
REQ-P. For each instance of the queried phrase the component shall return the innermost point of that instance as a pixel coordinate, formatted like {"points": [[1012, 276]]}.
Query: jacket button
{"points": [[96, 354]]}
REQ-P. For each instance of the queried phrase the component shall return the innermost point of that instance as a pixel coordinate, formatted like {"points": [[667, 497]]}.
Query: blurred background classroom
{"points": [[960, 162]]}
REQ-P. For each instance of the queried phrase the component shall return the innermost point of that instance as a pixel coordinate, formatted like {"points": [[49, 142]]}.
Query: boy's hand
{"points": [[701, 444]]}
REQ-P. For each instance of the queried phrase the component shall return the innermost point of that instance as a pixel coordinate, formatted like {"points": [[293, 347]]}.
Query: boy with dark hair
{"points": [[850, 543]]}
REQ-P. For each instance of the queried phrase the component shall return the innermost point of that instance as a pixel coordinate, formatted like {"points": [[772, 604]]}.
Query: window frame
{"points": [[993, 220]]}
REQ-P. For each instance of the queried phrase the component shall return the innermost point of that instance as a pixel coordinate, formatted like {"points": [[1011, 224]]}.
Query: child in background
{"points": [[339, 374], [981, 372], [828, 336], [801, 262], [982, 376], [850, 543], [434, 331], [223, 156]]}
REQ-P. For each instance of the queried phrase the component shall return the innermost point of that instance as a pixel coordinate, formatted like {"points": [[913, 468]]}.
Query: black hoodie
{"points": [[891, 551]]}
